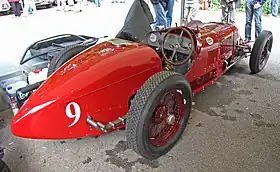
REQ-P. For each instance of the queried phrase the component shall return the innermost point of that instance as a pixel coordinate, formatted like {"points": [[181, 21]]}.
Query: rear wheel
{"points": [[261, 51], [65, 55], [159, 114]]}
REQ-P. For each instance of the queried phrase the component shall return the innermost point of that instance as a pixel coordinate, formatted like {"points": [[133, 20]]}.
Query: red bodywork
{"points": [[103, 79]]}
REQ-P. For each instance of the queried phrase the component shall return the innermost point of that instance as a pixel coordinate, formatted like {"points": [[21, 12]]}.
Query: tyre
{"points": [[261, 51], [6, 12], [4, 167], [159, 114], [65, 55]]}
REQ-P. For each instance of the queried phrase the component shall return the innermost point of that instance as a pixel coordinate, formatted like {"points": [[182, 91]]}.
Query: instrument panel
{"points": [[172, 41]]}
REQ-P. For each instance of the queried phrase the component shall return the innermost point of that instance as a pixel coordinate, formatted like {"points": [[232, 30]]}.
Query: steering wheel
{"points": [[177, 46]]}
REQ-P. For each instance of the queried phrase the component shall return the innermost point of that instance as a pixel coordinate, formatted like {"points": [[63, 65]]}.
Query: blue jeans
{"points": [[160, 19], [97, 3], [274, 7], [250, 12], [169, 13]]}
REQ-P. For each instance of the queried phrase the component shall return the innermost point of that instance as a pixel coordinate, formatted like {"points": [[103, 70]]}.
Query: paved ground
{"points": [[234, 126]]}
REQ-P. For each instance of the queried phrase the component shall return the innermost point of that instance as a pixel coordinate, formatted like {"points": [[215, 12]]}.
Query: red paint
{"points": [[103, 78], [101, 83], [209, 62]]}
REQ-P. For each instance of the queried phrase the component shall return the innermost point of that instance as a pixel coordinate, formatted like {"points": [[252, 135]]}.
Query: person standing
{"points": [[229, 8], [160, 18], [169, 13], [97, 3], [190, 11], [253, 8], [163, 11], [15, 7], [274, 8]]}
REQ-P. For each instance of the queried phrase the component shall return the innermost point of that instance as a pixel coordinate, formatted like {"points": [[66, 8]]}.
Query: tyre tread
{"points": [[258, 46], [142, 97]]}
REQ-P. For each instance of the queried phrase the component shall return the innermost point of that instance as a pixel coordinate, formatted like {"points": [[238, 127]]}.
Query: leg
{"points": [[160, 16], [33, 5], [232, 13], [249, 16], [64, 5], [194, 11], [274, 7], [169, 14], [258, 21], [224, 13], [23, 4], [59, 4], [13, 4], [98, 3], [187, 14], [79, 5], [17, 5]]}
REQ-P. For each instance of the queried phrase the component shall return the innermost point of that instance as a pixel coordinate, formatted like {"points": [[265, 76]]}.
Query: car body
{"points": [[47, 3], [5, 6], [116, 83]]}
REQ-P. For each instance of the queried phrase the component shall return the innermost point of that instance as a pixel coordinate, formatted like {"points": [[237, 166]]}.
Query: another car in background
{"points": [[45, 3], [5, 6]]}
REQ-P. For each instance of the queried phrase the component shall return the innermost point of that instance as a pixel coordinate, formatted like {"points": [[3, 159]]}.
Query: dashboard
{"points": [[172, 41]]}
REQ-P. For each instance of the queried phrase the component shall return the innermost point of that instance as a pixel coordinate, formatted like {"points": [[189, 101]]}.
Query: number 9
{"points": [[77, 112]]}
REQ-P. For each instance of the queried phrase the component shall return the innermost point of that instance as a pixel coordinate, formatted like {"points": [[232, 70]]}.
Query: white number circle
{"points": [[77, 112]]}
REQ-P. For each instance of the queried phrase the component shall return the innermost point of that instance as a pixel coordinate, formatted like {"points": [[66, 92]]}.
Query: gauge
{"points": [[153, 37]]}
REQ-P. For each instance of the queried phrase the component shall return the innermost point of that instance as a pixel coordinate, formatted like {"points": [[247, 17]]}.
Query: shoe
{"points": [[246, 40]]}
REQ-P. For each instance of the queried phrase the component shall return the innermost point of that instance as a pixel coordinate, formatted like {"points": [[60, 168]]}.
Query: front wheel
{"points": [[261, 51], [159, 114]]}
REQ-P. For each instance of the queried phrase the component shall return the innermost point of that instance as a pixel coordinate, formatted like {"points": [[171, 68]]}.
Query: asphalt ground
{"points": [[234, 125]]}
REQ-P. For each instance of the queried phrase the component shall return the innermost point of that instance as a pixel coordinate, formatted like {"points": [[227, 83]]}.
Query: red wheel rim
{"points": [[167, 118]]}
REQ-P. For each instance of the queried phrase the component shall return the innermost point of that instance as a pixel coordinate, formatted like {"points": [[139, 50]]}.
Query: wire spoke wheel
{"points": [[159, 114], [167, 118]]}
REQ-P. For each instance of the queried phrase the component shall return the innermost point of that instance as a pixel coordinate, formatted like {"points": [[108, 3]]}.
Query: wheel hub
{"points": [[170, 119]]}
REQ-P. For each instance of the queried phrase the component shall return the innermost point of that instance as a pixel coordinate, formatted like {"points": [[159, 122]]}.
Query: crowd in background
{"points": [[164, 11], [28, 7], [253, 9]]}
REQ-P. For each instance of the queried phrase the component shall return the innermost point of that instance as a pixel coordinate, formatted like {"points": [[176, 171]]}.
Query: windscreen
{"points": [[138, 22]]}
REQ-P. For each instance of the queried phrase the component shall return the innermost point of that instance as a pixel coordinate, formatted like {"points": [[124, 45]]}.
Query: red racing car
{"points": [[142, 80]]}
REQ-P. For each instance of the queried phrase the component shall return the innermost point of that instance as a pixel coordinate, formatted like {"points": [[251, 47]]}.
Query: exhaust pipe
{"points": [[103, 127]]}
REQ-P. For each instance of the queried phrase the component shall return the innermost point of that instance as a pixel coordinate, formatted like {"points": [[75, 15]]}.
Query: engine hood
{"points": [[97, 68]]}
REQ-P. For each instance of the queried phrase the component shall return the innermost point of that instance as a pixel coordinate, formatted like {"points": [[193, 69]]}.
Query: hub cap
{"points": [[167, 118]]}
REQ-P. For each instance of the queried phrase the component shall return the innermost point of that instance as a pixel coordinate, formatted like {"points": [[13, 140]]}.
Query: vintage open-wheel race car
{"points": [[142, 80]]}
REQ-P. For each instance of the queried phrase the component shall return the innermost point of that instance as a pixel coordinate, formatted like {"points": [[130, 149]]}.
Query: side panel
{"points": [[217, 45], [206, 63], [99, 86]]}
